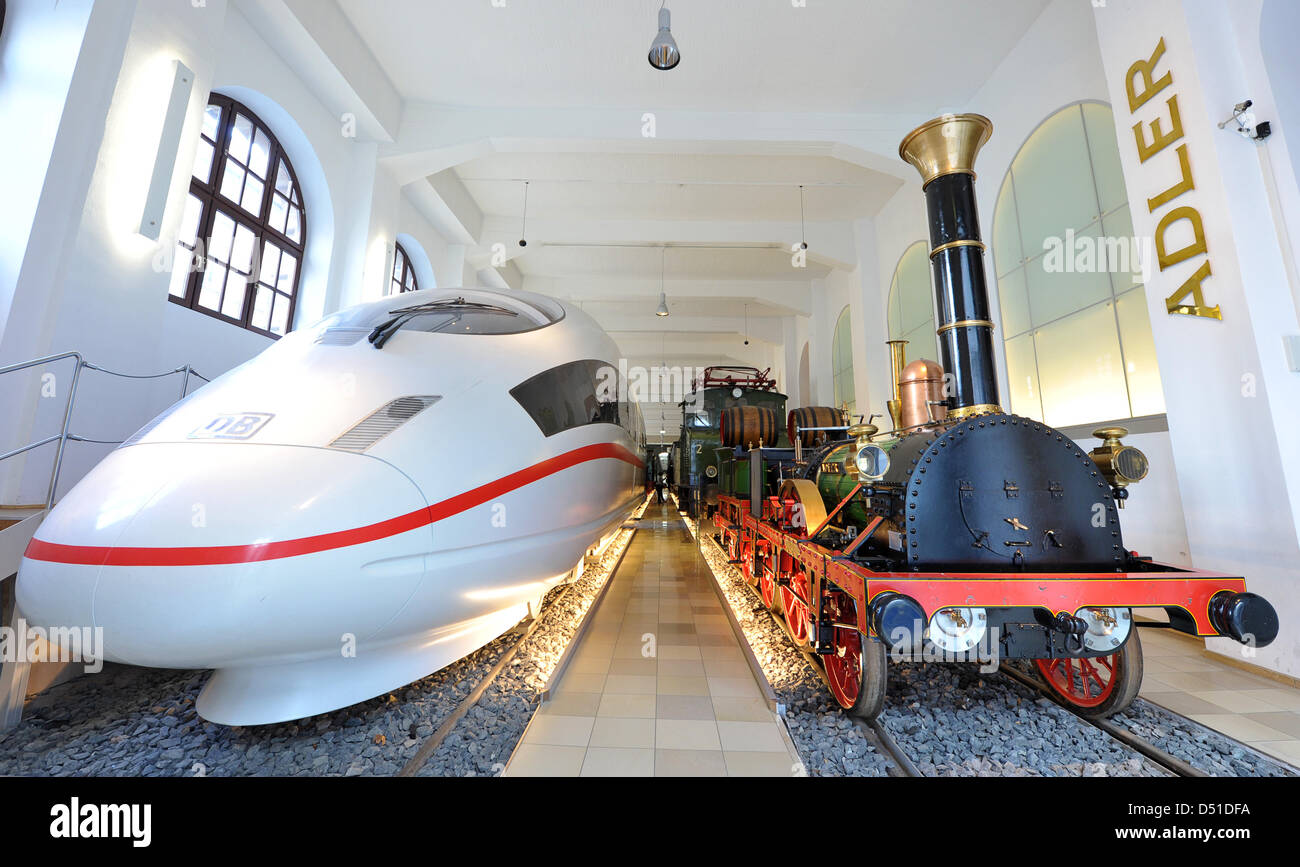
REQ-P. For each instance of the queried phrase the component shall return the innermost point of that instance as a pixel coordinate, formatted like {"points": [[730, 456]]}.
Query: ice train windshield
{"points": [[454, 311]]}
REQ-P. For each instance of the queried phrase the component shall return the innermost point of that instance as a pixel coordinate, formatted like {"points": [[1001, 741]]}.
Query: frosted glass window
{"points": [[1124, 250], [1015, 303], [1007, 254], [1076, 334], [842, 363], [1023, 377], [1080, 368], [1104, 147], [1140, 366], [911, 303], [1055, 293], [1056, 152]]}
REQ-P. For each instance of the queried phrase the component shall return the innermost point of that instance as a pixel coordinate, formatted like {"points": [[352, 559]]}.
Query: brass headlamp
{"points": [[871, 460], [1121, 465]]}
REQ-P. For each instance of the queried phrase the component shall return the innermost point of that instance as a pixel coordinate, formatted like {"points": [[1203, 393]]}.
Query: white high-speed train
{"points": [[360, 505]]}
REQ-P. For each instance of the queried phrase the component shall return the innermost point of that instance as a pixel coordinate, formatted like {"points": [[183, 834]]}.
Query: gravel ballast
{"points": [[1201, 747], [952, 719], [130, 721], [829, 743]]}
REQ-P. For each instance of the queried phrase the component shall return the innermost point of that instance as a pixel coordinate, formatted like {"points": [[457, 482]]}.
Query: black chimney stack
{"points": [[943, 151]]}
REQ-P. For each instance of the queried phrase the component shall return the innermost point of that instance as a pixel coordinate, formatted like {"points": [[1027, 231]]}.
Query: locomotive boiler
{"points": [[965, 531]]}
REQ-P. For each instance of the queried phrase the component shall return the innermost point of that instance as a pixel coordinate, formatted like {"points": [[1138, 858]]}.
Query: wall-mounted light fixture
{"points": [[169, 141]]}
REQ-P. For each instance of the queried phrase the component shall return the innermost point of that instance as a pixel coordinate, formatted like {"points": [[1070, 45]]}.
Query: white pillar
{"points": [[1233, 406]]}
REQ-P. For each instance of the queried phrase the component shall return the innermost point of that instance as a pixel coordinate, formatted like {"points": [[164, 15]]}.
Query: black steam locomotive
{"points": [[964, 531]]}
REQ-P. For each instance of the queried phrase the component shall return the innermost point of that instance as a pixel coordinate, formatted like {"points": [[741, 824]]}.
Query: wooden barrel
{"points": [[747, 426], [806, 417]]}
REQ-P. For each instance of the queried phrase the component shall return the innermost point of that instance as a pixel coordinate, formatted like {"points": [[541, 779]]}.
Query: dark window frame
{"points": [[407, 280], [212, 201]]}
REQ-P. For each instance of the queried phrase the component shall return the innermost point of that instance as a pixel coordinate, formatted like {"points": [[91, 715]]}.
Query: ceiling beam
{"points": [[318, 41], [448, 206], [831, 244], [792, 298], [431, 135]]}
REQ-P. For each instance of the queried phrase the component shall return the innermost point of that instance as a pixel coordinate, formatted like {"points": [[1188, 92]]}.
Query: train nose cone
{"points": [[208, 554]]}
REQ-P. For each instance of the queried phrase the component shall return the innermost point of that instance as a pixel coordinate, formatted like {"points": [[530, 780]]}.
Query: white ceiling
{"points": [[662, 185], [737, 55], [675, 262], [769, 96]]}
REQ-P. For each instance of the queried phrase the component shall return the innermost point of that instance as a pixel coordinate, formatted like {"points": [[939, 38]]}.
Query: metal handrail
{"points": [[63, 436]]}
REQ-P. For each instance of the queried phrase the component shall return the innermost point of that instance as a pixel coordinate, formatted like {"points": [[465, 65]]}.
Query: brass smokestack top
{"points": [[946, 145], [943, 151]]}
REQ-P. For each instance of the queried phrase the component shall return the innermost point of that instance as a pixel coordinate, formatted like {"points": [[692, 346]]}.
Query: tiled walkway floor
{"points": [[659, 685], [1180, 676]]}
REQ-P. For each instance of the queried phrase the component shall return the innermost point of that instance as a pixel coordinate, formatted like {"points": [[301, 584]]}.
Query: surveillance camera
{"points": [[1246, 126]]}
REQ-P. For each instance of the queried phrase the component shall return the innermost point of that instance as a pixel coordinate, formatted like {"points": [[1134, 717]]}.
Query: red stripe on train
{"points": [[87, 555]]}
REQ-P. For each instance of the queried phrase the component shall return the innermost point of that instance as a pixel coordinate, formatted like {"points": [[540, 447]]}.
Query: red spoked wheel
{"points": [[856, 669], [1097, 687], [747, 567], [732, 537], [767, 586], [795, 608]]}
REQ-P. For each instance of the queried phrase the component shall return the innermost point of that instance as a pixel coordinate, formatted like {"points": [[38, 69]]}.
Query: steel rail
{"points": [[435, 740], [872, 730], [1165, 760]]}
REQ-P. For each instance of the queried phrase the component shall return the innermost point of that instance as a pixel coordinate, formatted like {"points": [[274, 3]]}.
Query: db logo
{"points": [[235, 426]]}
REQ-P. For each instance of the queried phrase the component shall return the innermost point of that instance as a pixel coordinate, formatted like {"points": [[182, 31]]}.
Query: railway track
{"points": [[131, 721], [1166, 760], [872, 731], [887, 746], [525, 631], [435, 740]]}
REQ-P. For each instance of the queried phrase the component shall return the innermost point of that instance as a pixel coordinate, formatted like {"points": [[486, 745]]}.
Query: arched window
{"points": [[1074, 314], [842, 363], [911, 303], [239, 252], [403, 278]]}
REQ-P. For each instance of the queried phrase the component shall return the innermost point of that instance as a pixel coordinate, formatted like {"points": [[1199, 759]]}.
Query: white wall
{"points": [[88, 281], [1232, 405], [38, 53]]}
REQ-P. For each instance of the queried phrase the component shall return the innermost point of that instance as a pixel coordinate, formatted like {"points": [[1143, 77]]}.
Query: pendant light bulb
{"points": [[663, 51], [663, 295], [523, 225]]}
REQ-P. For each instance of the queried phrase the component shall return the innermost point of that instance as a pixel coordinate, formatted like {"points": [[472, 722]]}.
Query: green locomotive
{"points": [[742, 399]]}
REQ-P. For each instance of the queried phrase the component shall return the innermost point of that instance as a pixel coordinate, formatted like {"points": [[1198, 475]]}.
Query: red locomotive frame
{"points": [[792, 566]]}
